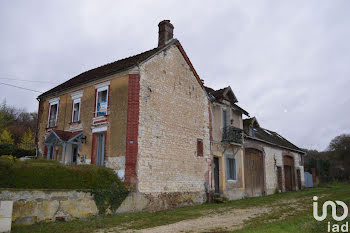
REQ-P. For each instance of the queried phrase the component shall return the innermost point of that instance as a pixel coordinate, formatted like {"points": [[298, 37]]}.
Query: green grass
{"points": [[46, 174], [284, 218]]}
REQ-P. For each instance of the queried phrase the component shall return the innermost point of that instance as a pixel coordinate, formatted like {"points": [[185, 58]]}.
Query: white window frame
{"points": [[100, 89], [53, 102], [75, 101]]}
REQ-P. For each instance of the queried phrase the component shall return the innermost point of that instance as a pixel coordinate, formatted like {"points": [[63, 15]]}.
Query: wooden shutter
{"points": [[199, 147]]}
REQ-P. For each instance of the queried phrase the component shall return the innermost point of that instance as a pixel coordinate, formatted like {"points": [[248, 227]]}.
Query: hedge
{"points": [[9, 149], [48, 174]]}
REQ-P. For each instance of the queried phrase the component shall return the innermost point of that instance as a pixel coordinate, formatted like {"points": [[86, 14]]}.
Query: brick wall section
{"points": [[93, 148], [132, 128]]}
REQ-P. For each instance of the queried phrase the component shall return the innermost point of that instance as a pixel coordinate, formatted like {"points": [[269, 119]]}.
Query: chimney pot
{"points": [[165, 32]]}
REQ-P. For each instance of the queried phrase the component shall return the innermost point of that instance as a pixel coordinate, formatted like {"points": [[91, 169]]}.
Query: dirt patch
{"points": [[230, 220], [225, 219]]}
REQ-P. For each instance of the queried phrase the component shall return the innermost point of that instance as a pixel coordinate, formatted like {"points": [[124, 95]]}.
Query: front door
{"points": [[254, 172], [216, 175], [51, 155], [74, 154], [100, 153]]}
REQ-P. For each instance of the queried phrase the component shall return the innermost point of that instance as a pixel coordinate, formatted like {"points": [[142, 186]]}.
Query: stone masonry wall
{"points": [[274, 159], [31, 206], [173, 115]]}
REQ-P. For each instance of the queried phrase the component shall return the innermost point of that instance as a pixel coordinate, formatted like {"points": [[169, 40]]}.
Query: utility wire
{"points": [[20, 87], [33, 81]]}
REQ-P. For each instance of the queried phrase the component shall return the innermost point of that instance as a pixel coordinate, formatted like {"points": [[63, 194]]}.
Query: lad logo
{"points": [[332, 227]]}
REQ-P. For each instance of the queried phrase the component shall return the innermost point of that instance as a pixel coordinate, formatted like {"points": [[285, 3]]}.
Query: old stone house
{"points": [[150, 119], [144, 116]]}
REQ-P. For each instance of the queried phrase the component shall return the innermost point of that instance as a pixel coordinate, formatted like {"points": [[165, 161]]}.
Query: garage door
{"points": [[254, 172]]}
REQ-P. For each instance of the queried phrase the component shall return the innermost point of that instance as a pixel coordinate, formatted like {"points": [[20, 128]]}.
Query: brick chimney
{"points": [[165, 32]]}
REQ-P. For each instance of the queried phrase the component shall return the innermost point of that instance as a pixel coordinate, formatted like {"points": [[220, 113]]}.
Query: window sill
{"points": [[232, 181], [53, 127], [100, 117], [75, 123]]}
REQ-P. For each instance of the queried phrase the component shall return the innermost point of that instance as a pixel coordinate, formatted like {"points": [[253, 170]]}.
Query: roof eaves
{"points": [[284, 147], [47, 93], [240, 109]]}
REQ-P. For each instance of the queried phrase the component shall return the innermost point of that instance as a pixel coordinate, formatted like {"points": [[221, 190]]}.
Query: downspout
{"points": [[37, 131]]}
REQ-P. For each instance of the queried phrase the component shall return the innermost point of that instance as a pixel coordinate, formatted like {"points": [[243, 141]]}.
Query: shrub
{"points": [[48, 174], [108, 191], [10, 149]]}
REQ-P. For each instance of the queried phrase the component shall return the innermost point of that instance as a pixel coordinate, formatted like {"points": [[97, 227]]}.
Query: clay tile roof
{"points": [[267, 135], [106, 70], [64, 135]]}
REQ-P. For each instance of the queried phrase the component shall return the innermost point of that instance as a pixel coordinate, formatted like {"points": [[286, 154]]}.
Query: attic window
{"points": [[199, 147], [251, 131], [267, 132]]}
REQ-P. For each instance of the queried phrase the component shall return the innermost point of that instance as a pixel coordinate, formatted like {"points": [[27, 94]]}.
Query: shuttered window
{"points": [[199, 147]]}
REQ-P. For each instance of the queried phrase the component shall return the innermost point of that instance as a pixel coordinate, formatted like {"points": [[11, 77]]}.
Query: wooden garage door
{"points": [[254, 172], [288, 172]]}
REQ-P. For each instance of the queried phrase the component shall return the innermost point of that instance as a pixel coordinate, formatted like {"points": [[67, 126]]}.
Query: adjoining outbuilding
{"points": [[272, 162]]}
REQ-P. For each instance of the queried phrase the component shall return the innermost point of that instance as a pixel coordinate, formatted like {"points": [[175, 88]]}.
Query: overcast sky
{"points": [[288, 62]]}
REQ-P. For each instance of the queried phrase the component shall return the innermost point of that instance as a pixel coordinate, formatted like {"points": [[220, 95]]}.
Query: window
{"points": [[102, 101], [76, 110], [53, 112], [199, 147], [224, 118], [231, 168], [300, 160]]}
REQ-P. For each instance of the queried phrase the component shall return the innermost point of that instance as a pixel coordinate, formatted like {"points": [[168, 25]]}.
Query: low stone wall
{"points": [[160, 201], [31, 206]]}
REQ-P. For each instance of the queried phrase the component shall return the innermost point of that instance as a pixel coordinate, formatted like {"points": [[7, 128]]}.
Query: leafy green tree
{"points": [[341, 146], [6, 115], [6, 137], [27, 142]]}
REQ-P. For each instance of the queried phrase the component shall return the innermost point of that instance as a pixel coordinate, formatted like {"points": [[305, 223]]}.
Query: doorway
{"points": [[254, 172], [216, 175], [74, 154], [288, 167]]}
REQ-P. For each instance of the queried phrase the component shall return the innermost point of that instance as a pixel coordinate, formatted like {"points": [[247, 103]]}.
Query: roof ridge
{"points": [[116, 61]]}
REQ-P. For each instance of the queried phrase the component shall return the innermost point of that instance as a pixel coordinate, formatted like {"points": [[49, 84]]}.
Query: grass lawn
{"points": [[295, 216]]}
